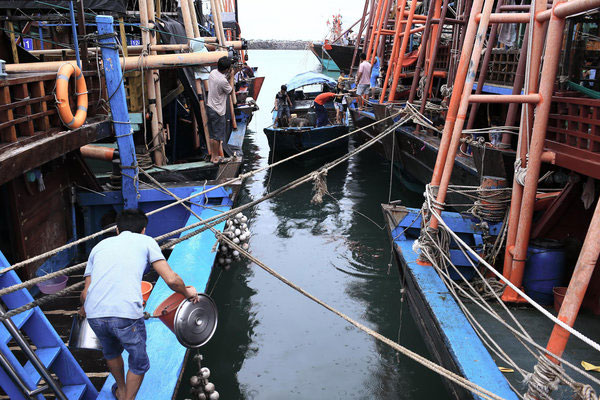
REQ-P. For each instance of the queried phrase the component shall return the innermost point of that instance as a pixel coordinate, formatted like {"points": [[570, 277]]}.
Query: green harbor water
{"points": [[274, 343]]}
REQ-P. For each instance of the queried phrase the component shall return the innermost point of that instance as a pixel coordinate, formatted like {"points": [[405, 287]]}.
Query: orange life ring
{"points": [[62, 96]]}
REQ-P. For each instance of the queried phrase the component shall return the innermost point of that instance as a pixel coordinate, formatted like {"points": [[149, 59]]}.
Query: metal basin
{"points": [[82, 336]]}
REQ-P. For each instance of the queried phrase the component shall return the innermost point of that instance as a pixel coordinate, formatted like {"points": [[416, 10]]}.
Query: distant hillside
{"points": [[259, 44]]}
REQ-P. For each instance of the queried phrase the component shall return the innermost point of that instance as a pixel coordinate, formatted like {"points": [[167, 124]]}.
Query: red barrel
{"points": [[167, 309]]}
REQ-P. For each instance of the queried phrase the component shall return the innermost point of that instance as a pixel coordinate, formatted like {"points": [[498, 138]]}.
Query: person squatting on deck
{"points": [[112, 297], [320, 110], [282, 106], [218, 91], [363, 80]]}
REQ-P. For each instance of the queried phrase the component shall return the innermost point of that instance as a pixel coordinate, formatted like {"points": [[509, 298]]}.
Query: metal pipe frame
{"points": [[424, 50], [360, 32], [433, 57], [484, 67], [405, 39], [31, 356], [538, 35], [395, 49], [25, 391], [374, 28], [467, 86], [504, 98], [381, 44], [381, 27]]}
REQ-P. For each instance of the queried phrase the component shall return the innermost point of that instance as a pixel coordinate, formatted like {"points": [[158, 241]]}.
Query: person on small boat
{"points": [[112, 297], [218, 91], [282, 106], [363, 80], [340, 103], [319, 104], [374, 77]]}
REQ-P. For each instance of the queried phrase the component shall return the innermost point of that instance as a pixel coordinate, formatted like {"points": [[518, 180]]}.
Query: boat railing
{"points": [[573, 134], [28, 104], [503, 66]]}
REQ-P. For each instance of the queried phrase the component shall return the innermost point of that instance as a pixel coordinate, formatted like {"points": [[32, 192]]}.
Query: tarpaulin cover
{"points": [[310, 78], [118, 6]]}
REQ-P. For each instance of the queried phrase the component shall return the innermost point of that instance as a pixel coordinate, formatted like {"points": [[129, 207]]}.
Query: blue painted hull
{"points": [[448, 334], [324, 58], [285, 142]]}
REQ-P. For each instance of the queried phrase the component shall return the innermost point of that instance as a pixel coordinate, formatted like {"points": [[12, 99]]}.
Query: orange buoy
{"points": [[62, 96]]}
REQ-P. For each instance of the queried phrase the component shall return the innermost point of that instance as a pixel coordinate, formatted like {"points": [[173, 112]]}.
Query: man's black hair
{"points": [[223, 64], [363, 56], [132, 220], [284, 88]]}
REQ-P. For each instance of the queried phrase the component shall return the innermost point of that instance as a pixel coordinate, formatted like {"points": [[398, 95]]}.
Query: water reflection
{"points": [[273, 343]]}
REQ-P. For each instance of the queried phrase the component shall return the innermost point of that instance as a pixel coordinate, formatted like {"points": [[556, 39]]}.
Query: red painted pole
{"points": [[385, 10], [484, 66], [584, 268], [425, 48], [432, 59], [395, 49], [538, 135], [468, 80], [359, 34], [375, 28], [461, 73], [405, 39]]}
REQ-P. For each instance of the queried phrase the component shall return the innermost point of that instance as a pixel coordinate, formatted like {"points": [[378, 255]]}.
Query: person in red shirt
{"points": [[319, 104]]}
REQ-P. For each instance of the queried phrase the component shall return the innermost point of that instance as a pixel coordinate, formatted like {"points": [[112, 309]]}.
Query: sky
{"points": [[294, 20]]}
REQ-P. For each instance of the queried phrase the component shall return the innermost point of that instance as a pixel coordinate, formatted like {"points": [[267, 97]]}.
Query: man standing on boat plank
{"points": [[363, 80], [282, 106], [112, 297], [218, 92], [320, 110]]}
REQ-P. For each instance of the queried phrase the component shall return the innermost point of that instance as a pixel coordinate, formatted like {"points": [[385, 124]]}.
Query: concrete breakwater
{"points": [[260, 44]]}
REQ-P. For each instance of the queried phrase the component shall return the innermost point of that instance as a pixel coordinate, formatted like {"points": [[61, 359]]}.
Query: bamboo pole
{"points": [[155, 74], [161, 61], [189, 32], [123, 43], [232, 97], [157, 140], [236, 44]]}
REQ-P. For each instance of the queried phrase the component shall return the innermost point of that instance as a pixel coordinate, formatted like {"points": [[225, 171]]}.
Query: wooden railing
{"points": [[503, 66], [574, 134]]}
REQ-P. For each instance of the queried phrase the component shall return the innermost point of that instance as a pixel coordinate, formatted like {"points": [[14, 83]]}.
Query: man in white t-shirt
{"points": [[112, 297], [363, 80]]}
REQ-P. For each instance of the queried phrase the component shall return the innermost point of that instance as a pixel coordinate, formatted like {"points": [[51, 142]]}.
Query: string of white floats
{"points": [[236, 229]]}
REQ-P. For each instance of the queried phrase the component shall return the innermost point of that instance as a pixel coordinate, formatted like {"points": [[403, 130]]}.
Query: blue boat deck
{"points": [[192, 260], [447, 332]]}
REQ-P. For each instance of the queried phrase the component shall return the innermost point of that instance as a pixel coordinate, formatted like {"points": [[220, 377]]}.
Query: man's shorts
{"points": [[216, 124], [283, 110], [362, 89], [116, 334]]}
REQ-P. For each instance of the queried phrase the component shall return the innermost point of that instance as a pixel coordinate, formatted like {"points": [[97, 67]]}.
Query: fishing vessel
{"points": [[302, 132], [103, 109], [501, 140]]}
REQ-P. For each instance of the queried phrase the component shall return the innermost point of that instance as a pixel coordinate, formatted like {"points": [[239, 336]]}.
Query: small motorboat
{"points": [[302, 132]]}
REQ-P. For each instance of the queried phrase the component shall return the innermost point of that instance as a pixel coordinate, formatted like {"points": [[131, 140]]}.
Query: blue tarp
{"points": [[310, 78]]}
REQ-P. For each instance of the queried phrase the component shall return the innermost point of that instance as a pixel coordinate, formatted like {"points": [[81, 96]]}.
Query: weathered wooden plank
{"points": [[40, 106], [17, 159], [27, 119], [9, 134], [25, 123]]}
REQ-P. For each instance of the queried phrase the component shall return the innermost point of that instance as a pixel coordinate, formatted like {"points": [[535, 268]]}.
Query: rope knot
{"points": [[319, 186]]}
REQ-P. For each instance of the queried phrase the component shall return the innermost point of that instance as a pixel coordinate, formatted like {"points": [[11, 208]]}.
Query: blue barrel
{"points": [[544, 270]]}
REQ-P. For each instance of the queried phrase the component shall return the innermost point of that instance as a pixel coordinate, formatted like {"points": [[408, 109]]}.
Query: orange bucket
{"points": [[167, 309], [146, 289]]}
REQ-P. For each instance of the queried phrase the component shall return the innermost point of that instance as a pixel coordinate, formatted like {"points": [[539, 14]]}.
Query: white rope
{"points": [[240, 178], [538, 307]]}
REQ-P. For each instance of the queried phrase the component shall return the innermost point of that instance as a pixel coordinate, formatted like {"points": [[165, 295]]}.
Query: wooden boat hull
{"points": [[448, 334], [289, 141], [342, 56], [324, 58]]}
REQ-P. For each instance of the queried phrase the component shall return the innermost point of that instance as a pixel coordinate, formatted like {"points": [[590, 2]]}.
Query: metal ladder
{"points": [[50, 366]]}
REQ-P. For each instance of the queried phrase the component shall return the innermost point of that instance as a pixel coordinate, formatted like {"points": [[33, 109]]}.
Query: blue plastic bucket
{"points": [[544, 270]]}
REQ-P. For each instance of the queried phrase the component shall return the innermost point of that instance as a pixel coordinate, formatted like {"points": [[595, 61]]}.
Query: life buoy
{"points": [[62, 96]]}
